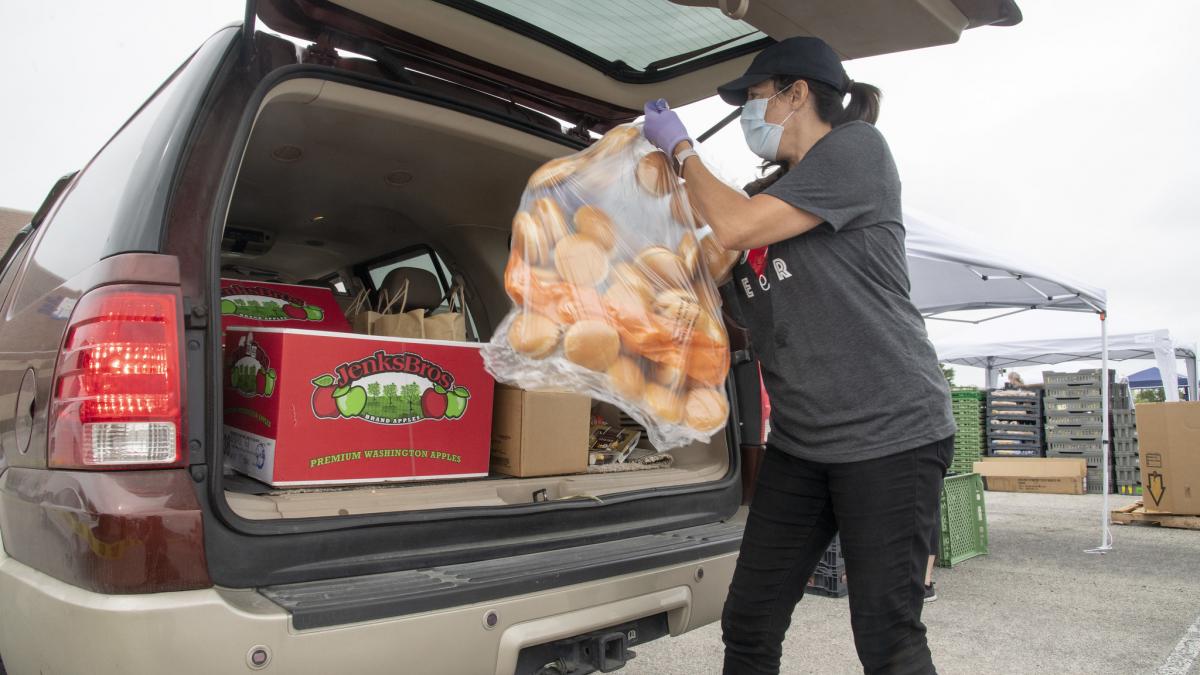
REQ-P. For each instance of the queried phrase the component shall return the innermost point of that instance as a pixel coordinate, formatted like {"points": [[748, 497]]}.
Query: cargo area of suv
{"points": [[339, 186]]}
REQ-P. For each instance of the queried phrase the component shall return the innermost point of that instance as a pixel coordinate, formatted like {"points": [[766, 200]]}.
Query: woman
{"points": [[861, 428]]}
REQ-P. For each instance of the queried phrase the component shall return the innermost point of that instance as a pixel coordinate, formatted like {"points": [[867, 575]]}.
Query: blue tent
{"points": [[1150, 379]]}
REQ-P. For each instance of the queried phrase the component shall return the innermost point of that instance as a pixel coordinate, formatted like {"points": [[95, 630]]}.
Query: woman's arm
{"points": [[739, 222]]}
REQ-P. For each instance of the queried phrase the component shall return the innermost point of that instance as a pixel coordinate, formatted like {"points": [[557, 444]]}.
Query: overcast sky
{"points": [[1069, 141]]}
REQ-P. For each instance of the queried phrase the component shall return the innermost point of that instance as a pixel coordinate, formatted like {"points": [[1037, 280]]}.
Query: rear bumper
{"points": [[51, 627]]}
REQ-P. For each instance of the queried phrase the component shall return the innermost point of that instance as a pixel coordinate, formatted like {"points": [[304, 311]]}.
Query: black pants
{"points": [[884, 509]]}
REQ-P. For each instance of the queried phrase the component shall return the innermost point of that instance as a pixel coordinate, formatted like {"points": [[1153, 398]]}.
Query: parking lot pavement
{"points": [[1036, 604]]}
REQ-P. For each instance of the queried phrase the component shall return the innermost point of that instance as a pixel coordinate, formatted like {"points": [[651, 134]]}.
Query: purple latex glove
{"points": [[663, 127]]}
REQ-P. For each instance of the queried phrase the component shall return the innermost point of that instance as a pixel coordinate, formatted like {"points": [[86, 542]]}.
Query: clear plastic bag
{"points": [[613, 291]]}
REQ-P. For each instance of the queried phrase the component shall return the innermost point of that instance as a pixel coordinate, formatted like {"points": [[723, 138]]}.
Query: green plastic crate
{"points": [[964, 520]]}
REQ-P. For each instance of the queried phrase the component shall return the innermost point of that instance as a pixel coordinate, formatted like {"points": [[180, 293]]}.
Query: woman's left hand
{"points": [[663, 127]]}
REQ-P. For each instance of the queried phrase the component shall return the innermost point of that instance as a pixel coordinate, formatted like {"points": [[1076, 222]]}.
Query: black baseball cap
{"points": [[804, 57]]}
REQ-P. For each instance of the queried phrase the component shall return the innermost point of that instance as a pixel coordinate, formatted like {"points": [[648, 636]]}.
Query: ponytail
{"points": [[863, 106]]}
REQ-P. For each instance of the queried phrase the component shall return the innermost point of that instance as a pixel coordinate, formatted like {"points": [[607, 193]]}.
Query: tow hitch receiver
{"points": [[605, 650]]}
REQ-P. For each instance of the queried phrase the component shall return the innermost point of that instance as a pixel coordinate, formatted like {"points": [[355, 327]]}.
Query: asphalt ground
{"points": [[1037, 603]]}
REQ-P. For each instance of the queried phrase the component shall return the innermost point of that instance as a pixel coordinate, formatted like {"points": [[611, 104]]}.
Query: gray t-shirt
{"points": [[845, 356]]}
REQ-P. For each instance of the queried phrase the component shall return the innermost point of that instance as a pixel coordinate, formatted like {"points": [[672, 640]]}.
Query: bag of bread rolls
{"points": [[614, 291]]}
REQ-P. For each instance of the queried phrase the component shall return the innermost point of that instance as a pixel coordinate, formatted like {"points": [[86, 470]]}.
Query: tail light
{"points": [[117, 384]]}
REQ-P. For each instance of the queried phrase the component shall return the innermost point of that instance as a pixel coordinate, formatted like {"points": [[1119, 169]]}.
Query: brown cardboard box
{"points": [[1046, 475], [1169, 443], [537, 433]]}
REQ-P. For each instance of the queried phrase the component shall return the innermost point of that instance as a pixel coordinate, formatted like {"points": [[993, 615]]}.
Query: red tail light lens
{"points": [[118, 382]]}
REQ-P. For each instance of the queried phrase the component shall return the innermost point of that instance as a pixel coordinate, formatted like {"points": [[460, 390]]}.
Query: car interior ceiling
{"points": [[351, 175], [337, 177]]}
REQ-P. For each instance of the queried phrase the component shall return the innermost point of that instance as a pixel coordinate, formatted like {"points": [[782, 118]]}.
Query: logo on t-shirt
{"points": [[764, 283]]}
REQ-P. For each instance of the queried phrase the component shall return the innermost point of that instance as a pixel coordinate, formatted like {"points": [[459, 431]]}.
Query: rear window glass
{"points": [[639, 35]]}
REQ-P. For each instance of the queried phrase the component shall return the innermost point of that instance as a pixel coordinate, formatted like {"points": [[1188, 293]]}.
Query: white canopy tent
{"points": [[1156, 344], [950, 276]]}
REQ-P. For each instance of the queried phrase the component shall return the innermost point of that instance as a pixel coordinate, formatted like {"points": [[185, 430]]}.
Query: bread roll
{"points": [[627, 378], [545, 275], [594, 223], [530, 239], [533, 335], [718, 260], [581, 261], [654, 173], [550, 215], [682, 211], [669, 376], [628, 276], [681, 311], [689, 253], [663, 269], [585, 303], [552, 173], [592, 344], [666, 405], [626, 301], [707, 409], [616, 140]]}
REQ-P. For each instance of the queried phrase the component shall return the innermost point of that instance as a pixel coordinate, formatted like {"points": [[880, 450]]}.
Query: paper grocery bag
{"points": [[449, 325], [400, 323], [360, 314]]}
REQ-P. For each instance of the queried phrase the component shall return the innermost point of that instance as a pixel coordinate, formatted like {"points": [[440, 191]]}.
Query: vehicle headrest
{"points": [[424, 291]]}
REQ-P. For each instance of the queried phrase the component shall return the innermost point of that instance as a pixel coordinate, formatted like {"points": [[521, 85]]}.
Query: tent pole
{"points": [[1105, 404]]}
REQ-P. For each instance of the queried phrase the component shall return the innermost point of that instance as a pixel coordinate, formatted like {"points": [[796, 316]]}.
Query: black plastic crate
{"points": [[828, 585], [1126, 461], [832, 557], [1015, 431], [1087, 376], [1075, 447], [1009, 451], [1128, 476]]}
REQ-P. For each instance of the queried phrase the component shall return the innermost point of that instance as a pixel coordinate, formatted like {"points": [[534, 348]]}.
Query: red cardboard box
{"points": [[258, 303], [314, 408]]}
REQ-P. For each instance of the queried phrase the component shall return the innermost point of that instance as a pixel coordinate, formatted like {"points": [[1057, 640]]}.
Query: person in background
{"points": [[824, 291], [1015, 381]]}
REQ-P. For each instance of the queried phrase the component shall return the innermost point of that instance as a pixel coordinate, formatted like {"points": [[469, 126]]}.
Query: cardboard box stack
{"points": [[1169, 434], [1075, 423], [969, 438], [1014, 421]]}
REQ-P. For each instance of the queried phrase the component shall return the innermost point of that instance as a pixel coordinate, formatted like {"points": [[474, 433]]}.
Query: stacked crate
{"points": [[1125, 451], [1014, 423], [830, 577], [969, 437], [1074, 422]]}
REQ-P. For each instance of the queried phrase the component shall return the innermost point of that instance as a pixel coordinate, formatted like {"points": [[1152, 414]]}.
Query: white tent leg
{"points": [[1105, 533], [1190, 364], [1164, 355]]}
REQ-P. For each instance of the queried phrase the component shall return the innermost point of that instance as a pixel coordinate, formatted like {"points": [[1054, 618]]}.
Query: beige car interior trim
{"points": [[853, 29]]}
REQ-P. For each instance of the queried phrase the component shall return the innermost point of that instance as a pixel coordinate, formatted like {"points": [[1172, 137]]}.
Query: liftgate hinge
{"points": [[195, 314]]}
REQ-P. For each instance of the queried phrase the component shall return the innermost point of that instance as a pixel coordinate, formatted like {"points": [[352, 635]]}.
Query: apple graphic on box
{"points": [[456, 402], [314, 313], [228, 306], [323, 404], [434, 403], [295, 312], [351, 401]]}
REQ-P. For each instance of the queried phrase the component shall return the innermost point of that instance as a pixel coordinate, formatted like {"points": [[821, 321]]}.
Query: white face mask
{"points": [[762, 136]]}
